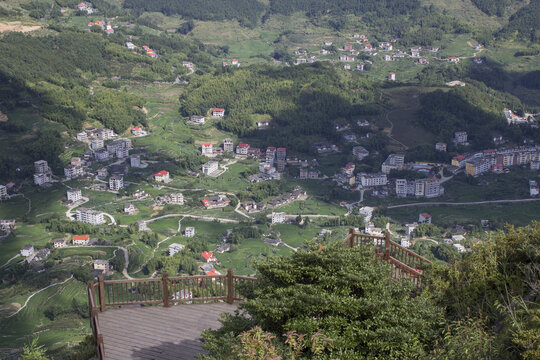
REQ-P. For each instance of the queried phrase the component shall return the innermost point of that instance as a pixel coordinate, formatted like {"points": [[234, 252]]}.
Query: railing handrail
{"points": [[410, 252]]}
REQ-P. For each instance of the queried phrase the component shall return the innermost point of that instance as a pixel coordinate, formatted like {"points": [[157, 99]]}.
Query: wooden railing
{"points": [[405, 263], [165, 290]]}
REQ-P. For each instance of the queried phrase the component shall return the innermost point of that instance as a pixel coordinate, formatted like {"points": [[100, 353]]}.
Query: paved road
{"points": [[463, 203], [7, 262], [197, 217]]}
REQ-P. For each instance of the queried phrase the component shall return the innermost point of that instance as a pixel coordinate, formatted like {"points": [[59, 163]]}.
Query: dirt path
{"points": [[17, 26], [37, 292], [7, 262], [463, 203]]}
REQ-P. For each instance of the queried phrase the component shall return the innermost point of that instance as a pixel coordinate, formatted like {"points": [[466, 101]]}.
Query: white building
{"points": [[392, 76], [393, 162], [424, 218], [360, 152], [228, 145], [41, 166], [533, 188], [207, 149], [177, 198], [460, 248], [74, 195], [116, 182], [367, 180], [175, 248], [162, 176], [242, 149], [409, 228], [401, 187], [89, 216], [3, 191], [405, 242], [210, 167], [101, 265], [196, 120], [59, 243], [73, 172], [135, 161], [433, 188], [101, 155], [105, 134], [189, 232], [129, 208], [278, 217], [96, 144], [82, 136], [366, 212], [27, 250], [460, 138], [440, 146], [218, 112], [42, 178]]}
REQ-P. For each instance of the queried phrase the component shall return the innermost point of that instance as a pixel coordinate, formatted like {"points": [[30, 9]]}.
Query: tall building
{"points": [[270, 155], [41, 167], [401, 188], [228, 145], [3, 191], [116, 182], [177, 198], [393, 162], [90, 216], [74, 195]]}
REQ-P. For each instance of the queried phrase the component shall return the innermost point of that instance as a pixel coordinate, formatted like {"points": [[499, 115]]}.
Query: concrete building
{"points": [[401, 187], [101, 155], [207, 149], [460, 138], [59, 243], [477, 166], [116, 182], [73, 171], [393, 162], [27, 250], [89, 216], [366, 212], [360, 152], [189, 232], [42, 178], [424, 218], [74, 195], [177, 199], [433, 188], [278, 217], [3, 191], [82, 240], [410, 228], [162, 176], [175, 248], [82, 136], [391, 76], [105, 134], [218, 112], [440, 146], [196, 120], [242, 149], [41, 166], [101, 265], [96, 144], [367, 180], [270, 155], [129, 208], [135, 161], [228, 145], [533, 188], [210, 167]]}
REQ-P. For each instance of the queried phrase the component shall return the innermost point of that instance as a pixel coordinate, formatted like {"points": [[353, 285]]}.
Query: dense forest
{"points": [[246, 11], [328, 303], [492, 7], [525, 23], [301, 101]]}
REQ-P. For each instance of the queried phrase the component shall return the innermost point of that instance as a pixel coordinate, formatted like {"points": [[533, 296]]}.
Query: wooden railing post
{"points": [[387, 246], [101, 294], [351, 237], [90, 286], [230, 287], [165, 281]]}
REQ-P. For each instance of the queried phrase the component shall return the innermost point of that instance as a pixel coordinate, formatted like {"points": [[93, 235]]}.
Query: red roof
{"points": [[460, 157], [208, 255], [490, 150], [497, 165], [219, 109], [348, 45], [243, 145], [271, 148], [426, 215], [81, 237], [207, 144], [136, 128], [162, 173], [281, 149], [213, 272]]}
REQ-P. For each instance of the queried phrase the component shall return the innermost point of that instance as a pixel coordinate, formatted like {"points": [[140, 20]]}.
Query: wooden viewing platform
{"points": [[128, 322]]}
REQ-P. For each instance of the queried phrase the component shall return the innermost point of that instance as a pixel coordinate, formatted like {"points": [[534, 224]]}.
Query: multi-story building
{"points": [[82, 136], [3, 191], [270, 155], [74, 195], [73, 172], [27, 250], [105, 134], [116, 182], [228, 145], [210, 167], [433, 188], [242, 149], [401, 188], [207, 149], [360, 152], [162, 176], [218, 112], [90, 216], [367, 180], [477, 166], [281, 153], [101, 155], [80, 240], [460, 138], [189, 232], [424, 218], [177, 198], [96, 144], [278, 217], [393, 162], [196, 120], [41, 166], [42, 178], [175, 248], [129, 208], [101, 266], [366, 212], [440, 146], [59, 243], [135, 161], [217, 201]]}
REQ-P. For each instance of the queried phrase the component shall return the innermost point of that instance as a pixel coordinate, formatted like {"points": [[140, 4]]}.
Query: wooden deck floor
{"points": [[158, 333]]}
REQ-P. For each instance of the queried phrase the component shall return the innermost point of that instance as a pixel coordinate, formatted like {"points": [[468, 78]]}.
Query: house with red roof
{"points": [[453, 59], [424, 218], [391, 76], [347, 47], [162, 176], [218, 201], [209, 256], [207, 149], [218, 112], [80, 239], [242, 149]]}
